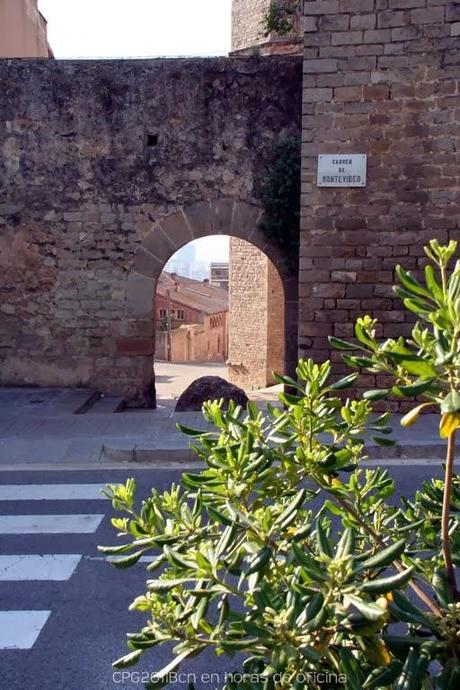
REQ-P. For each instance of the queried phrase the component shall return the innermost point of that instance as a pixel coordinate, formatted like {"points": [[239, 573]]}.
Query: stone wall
{"points": [[257, 333], [256, 317], [106, 169], [381, 77]]}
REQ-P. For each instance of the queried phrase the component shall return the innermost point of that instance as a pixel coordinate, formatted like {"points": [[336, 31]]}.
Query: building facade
{"points": [[191, 320], [219, 274], [187, 301], [23, 30], [195, 342]]}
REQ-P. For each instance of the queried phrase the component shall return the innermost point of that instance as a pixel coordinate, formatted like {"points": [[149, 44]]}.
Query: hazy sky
{"points": [[214, 248], [137, 28], [142, 28]]}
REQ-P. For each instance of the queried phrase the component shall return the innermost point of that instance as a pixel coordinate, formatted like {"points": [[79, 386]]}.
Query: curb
{"points": [[145, 455], [141, 454], [434, 451]]}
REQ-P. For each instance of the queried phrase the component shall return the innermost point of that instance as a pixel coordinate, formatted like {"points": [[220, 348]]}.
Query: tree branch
{"points": [[445, 539]]}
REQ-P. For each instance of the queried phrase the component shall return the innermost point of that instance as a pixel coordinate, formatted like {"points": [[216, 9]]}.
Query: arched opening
{"points": [[240, 221], [219, 311]]}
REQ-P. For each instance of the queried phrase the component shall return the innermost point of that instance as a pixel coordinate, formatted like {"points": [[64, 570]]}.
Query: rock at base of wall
{"points": [[210, 388]]}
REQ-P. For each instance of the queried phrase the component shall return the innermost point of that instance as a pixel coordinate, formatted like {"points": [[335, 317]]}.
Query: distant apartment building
{"points": [[23, 30], [185, 263], [191, 320], [219, 274]]}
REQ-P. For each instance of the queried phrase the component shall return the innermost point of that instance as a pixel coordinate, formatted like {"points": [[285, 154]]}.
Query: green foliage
{"points": [[284, 549], [425, 365], [279, 193], [279, 18]]}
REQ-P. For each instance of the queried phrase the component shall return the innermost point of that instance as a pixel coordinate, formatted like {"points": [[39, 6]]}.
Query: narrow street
{"points": [[172, 379], [63, 609]]}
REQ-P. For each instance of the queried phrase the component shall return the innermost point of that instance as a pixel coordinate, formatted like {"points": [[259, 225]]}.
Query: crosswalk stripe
{"points": [[51, 492], [49, 567], [49, 524], [20, 629]]}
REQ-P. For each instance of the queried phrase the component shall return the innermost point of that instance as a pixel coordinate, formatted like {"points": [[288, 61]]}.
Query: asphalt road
{"points": [[63, 620]]}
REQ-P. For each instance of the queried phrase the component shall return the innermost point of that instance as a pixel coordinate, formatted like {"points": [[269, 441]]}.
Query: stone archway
{"points": [[160, 241]]}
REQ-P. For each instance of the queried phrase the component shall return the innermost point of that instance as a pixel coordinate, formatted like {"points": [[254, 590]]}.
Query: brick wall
{"points": [[276, 332], [248, 20], [256, 321], [203, 342], [381, 77]]}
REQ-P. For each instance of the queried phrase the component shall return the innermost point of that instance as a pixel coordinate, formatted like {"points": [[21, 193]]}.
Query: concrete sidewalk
{"points": [[48, 426]]}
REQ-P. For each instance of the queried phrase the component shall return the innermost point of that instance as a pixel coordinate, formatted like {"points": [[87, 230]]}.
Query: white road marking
{"points": [[49, 524], [52, 567], [51, 492], [20, 629]]}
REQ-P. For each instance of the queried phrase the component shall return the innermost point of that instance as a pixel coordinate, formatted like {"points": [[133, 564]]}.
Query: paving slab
{"points": [[39, 401], [54, 434]]}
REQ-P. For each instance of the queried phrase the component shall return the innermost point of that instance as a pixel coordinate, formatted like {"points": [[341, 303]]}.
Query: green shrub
{"points": [[284, 549], [426, 365], [280, 17], [279, 193]]}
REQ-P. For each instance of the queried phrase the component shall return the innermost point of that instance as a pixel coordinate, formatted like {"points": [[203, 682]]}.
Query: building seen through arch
{"points": [[240, 326]]}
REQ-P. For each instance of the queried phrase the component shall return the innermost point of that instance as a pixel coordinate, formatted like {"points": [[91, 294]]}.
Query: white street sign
{"points": [[342, 170]]}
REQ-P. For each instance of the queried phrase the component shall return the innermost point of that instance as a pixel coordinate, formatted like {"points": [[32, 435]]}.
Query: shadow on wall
{"points": [[238, 369]]}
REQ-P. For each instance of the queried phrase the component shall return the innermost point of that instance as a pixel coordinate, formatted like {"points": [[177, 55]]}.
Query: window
{"points": [[152, 139], [163, 313], [181, 314]]}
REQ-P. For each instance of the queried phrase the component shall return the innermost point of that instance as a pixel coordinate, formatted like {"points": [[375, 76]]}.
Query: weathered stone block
{"points": [[377, 36], [347, 38], [348, 93], [376, 93], [406, 4], [157, 244], [245, 221], [200, 219], [430, 15], [176, 229], [140, 291], [222, 214], [310, 24], [146, 264], [319, 66], [317, 95], [390, 19], [135, 346], [338, 22], [321, 7], [357, 6], [363, 21]]}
